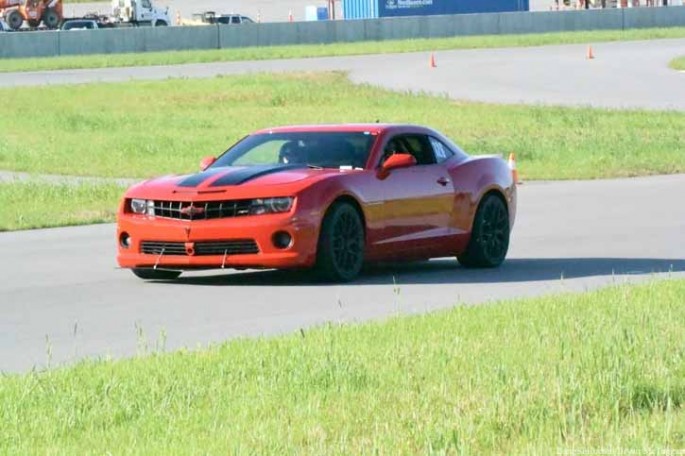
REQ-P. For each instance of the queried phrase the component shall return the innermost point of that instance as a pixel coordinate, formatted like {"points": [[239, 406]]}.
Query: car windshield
{"points": [[315, 149]]}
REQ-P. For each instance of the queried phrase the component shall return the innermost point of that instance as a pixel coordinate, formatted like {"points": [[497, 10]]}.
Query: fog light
{"points": [[125, 240], [282, 240]]}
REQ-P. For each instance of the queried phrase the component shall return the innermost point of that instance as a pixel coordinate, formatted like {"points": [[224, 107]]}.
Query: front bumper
{"points": [[260, 228]]}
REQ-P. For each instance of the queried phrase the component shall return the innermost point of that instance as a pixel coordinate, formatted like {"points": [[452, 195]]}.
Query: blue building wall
{"points": [[394, 8], [369, 9]]}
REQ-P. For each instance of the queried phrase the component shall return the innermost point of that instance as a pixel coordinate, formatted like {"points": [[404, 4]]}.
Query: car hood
{"points": [[234, 182]]}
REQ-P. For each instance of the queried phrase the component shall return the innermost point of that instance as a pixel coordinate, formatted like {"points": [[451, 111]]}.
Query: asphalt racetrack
{"points": [[61, 291], [62, 297], [623, 74]]}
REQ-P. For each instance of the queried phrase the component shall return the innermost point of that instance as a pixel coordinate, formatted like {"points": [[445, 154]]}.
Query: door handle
{"points": [[443, 181]]}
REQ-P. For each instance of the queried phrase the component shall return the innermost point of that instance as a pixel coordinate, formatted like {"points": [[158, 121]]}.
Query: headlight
{"points": [[141, 206], [138, 206], [271, 205]]}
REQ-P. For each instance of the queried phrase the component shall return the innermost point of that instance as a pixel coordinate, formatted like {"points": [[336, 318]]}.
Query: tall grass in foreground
{"points": [[592, 371], [28, 205], [335, 49], [142, 129]]}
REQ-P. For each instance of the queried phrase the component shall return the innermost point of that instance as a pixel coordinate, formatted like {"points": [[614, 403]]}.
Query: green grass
{"points": [[336, 49], [141, 129], [678, 64], [592, 371], [27, 205]]}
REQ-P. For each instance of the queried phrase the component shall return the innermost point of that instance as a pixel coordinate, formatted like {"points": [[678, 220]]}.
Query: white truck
{"points": [[139, 13]]}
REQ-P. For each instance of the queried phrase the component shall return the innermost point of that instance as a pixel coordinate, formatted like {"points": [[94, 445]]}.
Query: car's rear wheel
{"points": [[340, 253], [489, 241], [155, 274]]}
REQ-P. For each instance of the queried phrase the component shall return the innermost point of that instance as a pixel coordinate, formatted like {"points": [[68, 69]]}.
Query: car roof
{"points": [[343, 128], [79, 22]]}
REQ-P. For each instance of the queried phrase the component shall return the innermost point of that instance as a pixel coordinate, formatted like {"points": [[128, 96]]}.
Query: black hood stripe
{"points": [[243, 175], [197, 179]]}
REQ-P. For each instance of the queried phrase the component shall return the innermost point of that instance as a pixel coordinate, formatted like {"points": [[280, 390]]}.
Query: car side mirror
{"points": [[206, 163], [396, 161]]}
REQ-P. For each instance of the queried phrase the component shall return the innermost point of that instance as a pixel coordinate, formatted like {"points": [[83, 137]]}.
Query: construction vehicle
{"points": [[33, 12], [125, 13], [139, 13]]}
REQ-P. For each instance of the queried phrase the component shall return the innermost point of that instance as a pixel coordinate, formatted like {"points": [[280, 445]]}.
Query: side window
{"points": [[146, 4], [441, 151], [417, 145], [235, 20]]}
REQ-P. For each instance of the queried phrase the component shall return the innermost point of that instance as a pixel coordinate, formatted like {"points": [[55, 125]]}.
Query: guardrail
{"points": [[148, 39]]}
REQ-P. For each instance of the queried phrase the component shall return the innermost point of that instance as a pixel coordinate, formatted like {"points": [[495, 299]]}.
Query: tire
{"points": [[14, 19], [160, 24], [51, 18], [489, 241], [155, 274], [340, 251]]}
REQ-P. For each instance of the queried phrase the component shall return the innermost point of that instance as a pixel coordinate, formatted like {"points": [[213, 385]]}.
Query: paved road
{"points": [[623, 75], [60, 288]]}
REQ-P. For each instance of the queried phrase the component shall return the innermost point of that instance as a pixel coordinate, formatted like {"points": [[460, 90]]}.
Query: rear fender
{"points": [[475, 178]]}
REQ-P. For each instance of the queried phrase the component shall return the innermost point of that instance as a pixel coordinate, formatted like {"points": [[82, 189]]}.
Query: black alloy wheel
{"points": [[340, 253], [155, 274], [489, 241]]}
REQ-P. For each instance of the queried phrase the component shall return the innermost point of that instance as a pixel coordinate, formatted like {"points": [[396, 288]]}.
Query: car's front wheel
{"points": [[155, 274], [340, 253], [489, 241]]}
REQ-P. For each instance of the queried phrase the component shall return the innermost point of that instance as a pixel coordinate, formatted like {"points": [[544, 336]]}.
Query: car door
{"points": [[418, 200]]}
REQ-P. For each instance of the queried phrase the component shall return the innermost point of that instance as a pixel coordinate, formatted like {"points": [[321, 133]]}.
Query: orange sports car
{"points": [[327, 197]]}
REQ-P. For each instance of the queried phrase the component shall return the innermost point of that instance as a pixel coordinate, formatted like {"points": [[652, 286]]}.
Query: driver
{"points": [[291, 152]]}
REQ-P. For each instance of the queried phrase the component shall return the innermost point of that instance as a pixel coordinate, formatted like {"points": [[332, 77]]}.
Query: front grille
{"points": [[233, 247], [163, 248], [204, 248], [185, 210]]}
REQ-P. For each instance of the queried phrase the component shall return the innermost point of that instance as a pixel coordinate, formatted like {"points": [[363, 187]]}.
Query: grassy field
{"points": [[594, 371], [140, 129], [678, 64], [28, 205], [337, 49]]}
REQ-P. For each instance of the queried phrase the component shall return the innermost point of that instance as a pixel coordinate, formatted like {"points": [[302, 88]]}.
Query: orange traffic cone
{"points": [[290, 15], [431, 62], [512, 167], [590, 54]]}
